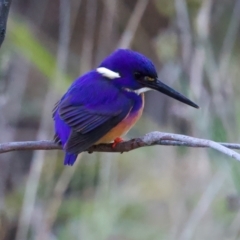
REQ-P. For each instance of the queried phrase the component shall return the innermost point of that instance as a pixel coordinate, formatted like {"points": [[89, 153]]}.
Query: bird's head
{"points": [[134, 72]]}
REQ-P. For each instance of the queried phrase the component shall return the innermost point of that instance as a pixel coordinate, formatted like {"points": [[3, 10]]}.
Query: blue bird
{"points": [[105, 103]]}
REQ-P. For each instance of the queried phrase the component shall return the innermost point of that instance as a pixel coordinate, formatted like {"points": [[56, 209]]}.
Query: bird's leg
{"points": [[116, 141]]}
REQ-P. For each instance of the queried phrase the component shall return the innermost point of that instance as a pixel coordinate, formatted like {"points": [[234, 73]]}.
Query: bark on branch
{"points": [[150, 139]]}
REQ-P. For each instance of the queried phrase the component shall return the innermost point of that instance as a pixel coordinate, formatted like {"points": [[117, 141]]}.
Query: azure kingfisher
{"points": [[105, 103]]}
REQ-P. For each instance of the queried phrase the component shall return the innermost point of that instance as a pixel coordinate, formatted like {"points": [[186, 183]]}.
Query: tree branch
{"points": [[4, 10], [150, 139]]}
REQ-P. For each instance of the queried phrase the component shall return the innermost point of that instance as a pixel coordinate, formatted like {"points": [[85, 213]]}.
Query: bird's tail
{"points": [[61, 136], [70, 159]]}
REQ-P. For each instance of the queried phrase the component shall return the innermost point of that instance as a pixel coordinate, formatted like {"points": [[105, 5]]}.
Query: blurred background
{"points": [[151, 193]]}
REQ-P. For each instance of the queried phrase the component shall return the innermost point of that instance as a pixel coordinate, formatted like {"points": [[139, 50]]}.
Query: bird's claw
{"points": [[116, 142]]}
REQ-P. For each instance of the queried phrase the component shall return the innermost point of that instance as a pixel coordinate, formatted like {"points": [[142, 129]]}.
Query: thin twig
{"points": [[4, 10], [88, 40], [56, 201], [185, 31], [229, 42], [30, 196], [203, 205], [131, 28], [150, 139]]}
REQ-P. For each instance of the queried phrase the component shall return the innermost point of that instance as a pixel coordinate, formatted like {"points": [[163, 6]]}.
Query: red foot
{"points": [[116, 142]]}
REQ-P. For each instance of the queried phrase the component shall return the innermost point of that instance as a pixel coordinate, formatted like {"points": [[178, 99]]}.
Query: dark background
{"points": [[152, 193]]}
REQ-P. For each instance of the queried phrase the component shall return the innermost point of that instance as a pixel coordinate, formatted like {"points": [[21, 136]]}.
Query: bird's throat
{"points": [[138, 91]]}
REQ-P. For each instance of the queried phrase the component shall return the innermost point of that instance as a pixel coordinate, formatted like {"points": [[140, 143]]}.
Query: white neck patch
{"points": [[142, 90], [139, 91], [105, 72]]}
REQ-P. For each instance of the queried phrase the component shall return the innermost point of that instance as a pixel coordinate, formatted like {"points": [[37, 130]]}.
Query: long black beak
{"points": [[163, 88]]}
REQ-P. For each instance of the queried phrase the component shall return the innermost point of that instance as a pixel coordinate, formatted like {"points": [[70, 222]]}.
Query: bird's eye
{"points": [[149, 79], [143, 78]]}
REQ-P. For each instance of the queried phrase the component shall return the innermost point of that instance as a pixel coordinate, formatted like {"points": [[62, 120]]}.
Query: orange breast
{"points": [[123, 127]]}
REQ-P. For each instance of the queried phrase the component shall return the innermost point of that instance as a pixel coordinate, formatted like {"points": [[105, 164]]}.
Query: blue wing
{"points": [[91, 108]]}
